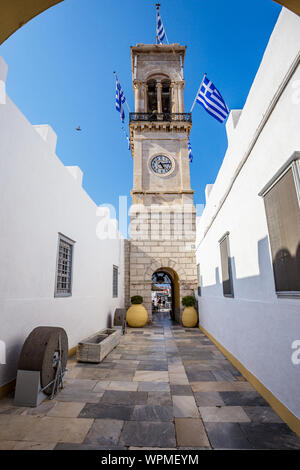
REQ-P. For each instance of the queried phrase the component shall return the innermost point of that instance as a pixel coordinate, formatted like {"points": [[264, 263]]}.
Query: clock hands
{"points": [[160, 166]]}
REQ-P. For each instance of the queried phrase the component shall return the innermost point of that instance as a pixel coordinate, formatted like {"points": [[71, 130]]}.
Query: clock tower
{"points": [[163, 216]]}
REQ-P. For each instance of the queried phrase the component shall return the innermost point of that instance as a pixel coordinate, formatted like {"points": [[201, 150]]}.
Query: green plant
{"points": [[137, 299], [188, 301]]}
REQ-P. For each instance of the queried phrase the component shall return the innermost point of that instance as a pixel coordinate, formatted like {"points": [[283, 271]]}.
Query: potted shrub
{"points": [[189, 315], [137, 315]]}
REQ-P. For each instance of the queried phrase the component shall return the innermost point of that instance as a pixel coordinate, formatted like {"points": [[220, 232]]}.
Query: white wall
{"points": [[256, 326], [39, 197]]}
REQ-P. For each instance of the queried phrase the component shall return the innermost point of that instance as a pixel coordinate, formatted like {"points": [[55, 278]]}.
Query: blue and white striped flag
{"points": [[128, 141], [160, 30], [211, 100], [127, 138], [120, 100], [190, 152]]}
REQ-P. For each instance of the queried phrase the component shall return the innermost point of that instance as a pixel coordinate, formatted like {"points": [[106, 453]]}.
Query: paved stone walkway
{"points": [[163, 387]]}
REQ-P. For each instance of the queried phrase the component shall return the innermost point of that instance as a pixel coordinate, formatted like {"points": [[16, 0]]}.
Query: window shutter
{"points": [[226, 268], [283, 218], [199, 279]]}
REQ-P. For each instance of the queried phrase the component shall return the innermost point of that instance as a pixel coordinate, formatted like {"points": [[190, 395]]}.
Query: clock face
{"points": [[161, 164]]}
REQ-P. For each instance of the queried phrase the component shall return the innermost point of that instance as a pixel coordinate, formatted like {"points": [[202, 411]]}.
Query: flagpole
{"points": [[198, 93], [157, 12], [125, 99]]}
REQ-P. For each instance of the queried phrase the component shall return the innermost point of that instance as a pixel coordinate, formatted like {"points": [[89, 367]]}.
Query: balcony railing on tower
{"points": [[161, 117]]}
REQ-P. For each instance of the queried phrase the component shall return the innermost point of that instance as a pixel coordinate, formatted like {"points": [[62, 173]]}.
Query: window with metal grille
{"points": [[282, 205], [226, 266], [64, 267], [199, 279], [115, 281]]}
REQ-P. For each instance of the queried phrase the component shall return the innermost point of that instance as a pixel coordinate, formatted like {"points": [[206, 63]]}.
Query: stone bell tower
{"points": [[162, 230]]}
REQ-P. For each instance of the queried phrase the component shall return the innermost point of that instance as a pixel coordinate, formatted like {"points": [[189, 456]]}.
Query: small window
{"points": [[63, 286], [115, 281], [199, 280], [226, 266], [281, 199]]}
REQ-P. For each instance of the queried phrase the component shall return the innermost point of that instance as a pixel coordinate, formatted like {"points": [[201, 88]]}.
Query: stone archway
{"points": [[179, 278], [169, 282]]}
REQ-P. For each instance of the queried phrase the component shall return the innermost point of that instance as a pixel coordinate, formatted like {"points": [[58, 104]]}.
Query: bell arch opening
{"points": [[152, 96], [166, 96], [165, 294]]}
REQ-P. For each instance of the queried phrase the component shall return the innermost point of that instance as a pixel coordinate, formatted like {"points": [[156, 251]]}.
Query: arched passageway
{"points": [[165, 295]]}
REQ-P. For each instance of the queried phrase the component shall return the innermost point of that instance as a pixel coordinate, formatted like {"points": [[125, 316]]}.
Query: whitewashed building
{"points": [[248, 237], [55, 270]]}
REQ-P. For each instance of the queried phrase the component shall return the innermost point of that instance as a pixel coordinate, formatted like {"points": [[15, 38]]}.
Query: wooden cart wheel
{"points": [[40, 353]]}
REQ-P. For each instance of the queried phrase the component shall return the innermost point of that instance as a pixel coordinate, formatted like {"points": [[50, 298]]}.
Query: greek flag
{"points": [[190, 152], [160, 30], [127, 138], [211, 100], [120, 100], [128, 141]]}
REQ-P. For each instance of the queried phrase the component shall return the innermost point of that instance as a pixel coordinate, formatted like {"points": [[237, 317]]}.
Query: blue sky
{"points": [[61, 73]]}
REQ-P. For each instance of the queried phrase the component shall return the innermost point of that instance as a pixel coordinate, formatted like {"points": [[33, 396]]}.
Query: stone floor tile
{"points": [[7, 445], [66, 409], [221, 386], [209, 399], [57, 429], [155, 365], [125, 386], [224, 414], [81, 396], [199, 375], [159, 398], [43, 409], [15, 428], [243, 399], [152, 413], [119, 397], [151, 376], [24, 445], [178, 379], [6, 403], [190, 432], [151, 448], [176, 369], [107, 411], [227, 436], [91, 373], [177, 389], [70, 446], [223, 375], [153, 387], [122, 362], [101, 386], [104, 432], [121, 375], [16, 410], [262, 414], [81, 384], [270, 436], [185, 407], [148, 434]]}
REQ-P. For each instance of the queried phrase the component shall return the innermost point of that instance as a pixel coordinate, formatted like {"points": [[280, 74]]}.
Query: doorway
{"points": [[164, 295]]}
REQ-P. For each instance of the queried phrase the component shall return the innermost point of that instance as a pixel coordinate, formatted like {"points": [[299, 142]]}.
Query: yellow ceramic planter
{"points": [[137, 316], [189, 317]]}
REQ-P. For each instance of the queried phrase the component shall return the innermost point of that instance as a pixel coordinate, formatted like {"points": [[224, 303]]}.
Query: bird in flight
{"points": [[78, 128]]}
